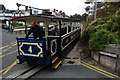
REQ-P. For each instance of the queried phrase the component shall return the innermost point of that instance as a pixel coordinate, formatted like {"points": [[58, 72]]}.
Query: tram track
{"points": [[26, 72]]}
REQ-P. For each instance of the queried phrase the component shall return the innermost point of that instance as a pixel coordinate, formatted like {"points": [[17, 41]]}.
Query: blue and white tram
{"points": [[48, 51]]}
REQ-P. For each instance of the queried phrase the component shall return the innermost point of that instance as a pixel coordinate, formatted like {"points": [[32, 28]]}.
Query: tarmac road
{"points": [[74, 67], [9, 49]]}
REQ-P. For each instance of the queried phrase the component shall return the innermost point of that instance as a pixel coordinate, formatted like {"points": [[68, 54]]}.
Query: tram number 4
{"points": [[30, 49]]}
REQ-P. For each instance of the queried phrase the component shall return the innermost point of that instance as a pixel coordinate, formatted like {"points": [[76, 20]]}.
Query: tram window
{"points": [[63, 30], [53, 30]]}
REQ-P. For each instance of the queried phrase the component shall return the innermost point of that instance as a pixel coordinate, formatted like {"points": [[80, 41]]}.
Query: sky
{"points": [[70, 7]]}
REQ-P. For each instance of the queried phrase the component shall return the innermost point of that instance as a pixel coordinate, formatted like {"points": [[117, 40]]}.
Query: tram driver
{"points": [[38, 33]]}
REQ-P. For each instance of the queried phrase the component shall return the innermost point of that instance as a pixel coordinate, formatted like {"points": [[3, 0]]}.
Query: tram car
{"points": [[59, 34]]}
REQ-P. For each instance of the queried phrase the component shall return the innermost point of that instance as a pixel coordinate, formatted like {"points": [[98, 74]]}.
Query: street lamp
{"points": [[95, 6], [18, 5], [87, 9]]}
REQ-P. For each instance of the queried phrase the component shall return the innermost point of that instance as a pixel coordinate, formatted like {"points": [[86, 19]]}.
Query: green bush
{"points": [[101, 39], [98, 40], [104, 31]]}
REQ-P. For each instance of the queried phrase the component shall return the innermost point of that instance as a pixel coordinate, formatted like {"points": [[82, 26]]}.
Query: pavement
{"points": [[73, 66]]}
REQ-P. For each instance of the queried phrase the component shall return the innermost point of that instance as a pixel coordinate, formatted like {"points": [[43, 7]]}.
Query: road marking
{"points": [[7, 45], [102, 70], [4, 47], [14, 44], [3, 70], [8, 48], [5, 50], [99, 70], [9, 67], [9, 53]]}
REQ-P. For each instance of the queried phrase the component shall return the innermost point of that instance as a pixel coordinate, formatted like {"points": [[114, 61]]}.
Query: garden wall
{"points": [[108, 57]]}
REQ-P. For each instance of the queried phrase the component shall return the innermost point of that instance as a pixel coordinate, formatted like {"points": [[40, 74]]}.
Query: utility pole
{"points": [[95, 6], [87, 9]]}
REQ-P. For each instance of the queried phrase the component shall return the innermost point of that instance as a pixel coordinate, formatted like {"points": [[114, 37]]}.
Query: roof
{"points": [[15, 11], [42, 16]]}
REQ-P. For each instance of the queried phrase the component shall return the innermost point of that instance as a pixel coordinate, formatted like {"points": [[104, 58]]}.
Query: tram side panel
{"points": [[53, 47], [66, 40], [31, 49]]}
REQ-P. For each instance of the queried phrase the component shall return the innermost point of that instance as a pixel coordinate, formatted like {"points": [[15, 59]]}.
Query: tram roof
{"points": [[41, 16]]}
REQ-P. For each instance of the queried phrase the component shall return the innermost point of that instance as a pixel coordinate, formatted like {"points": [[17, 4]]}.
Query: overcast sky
{"points": [[70, 7]]}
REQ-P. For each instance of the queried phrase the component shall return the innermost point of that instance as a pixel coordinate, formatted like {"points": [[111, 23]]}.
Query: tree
{"points": [[78, 16]]}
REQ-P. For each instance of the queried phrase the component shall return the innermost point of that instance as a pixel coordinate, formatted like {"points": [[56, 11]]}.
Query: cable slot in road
{"points": [[26, 73]]}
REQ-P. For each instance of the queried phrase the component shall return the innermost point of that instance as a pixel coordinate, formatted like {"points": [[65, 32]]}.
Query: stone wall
{"points": [[110, 62]]}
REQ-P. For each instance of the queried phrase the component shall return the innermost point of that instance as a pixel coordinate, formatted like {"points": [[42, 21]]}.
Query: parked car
{"points": [[5, 26]]}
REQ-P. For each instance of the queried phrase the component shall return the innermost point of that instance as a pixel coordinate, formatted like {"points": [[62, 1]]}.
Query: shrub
{"points": [[99, 40], [102, 38]]}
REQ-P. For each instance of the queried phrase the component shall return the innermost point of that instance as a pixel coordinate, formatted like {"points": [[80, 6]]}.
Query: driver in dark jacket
{"points": [[35, 29]]}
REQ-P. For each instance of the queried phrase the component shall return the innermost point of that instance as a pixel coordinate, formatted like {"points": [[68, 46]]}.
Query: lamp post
{"points": [[18, 5], [95, 5], [87, 9]]}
